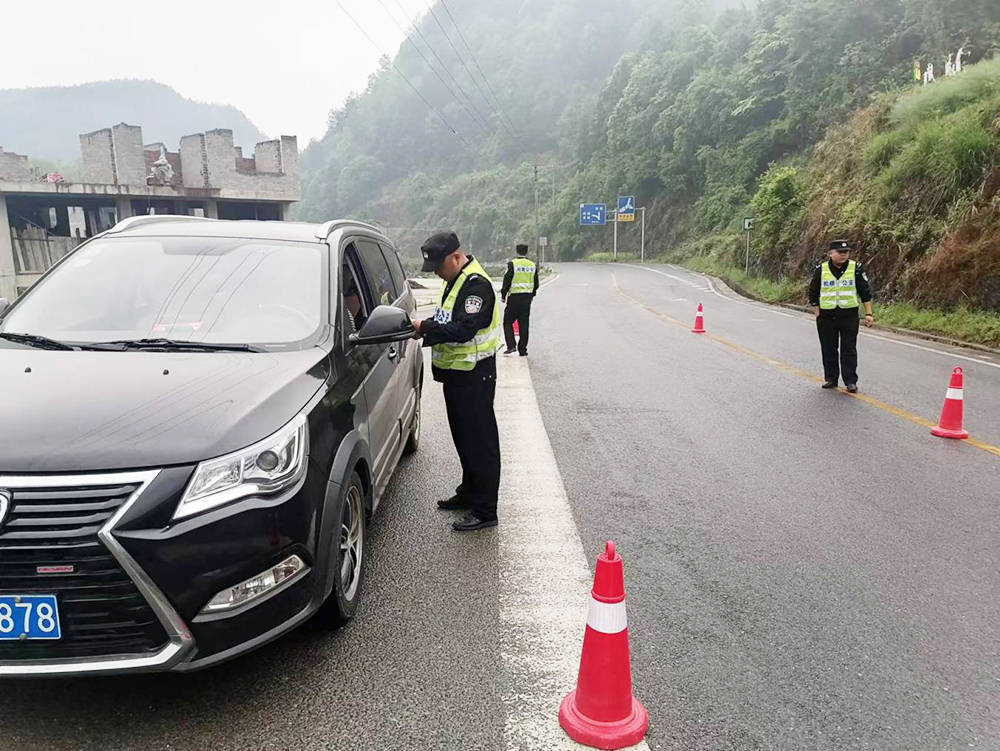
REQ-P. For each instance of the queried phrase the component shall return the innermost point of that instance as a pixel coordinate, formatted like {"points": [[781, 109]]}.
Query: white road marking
{"points": [[805, 319], [545, 579]]}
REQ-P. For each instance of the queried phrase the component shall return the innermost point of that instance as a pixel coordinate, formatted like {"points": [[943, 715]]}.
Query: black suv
{"points": [[197, 418]]}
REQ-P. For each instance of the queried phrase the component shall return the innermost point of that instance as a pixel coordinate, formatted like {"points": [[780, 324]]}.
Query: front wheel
{"points": [[413, 440], [348, 541]]}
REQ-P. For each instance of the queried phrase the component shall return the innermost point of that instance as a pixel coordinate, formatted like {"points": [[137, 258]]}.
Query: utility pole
{"points": [[616, 235], [538, 249], [642, 246]]}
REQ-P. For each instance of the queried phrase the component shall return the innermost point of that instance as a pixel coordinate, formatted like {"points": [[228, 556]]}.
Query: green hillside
{"points": [[801, 112]]}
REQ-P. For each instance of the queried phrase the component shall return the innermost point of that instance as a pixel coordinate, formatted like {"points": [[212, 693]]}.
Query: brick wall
{"points": [[194, 170], [130, 159], [14, 167], [98, 157], [267, 156]]}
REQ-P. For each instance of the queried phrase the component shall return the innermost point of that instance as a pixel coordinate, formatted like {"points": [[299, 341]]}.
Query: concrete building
{"points": [[208, 176]]}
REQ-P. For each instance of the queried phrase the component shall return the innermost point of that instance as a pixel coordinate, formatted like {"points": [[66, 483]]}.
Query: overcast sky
{"points": [[285, 64]]}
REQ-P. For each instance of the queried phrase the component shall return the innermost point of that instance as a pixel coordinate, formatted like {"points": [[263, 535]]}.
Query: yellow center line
{"points": [[878, 404]]}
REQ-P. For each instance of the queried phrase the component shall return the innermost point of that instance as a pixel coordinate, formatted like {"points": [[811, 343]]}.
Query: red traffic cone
{"points": [[699, 321], [517, 329], [950, 424], [602, 711]]}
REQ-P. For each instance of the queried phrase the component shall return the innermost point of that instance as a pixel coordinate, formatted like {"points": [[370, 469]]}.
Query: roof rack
{"points": [[141, 221], [327, 228]]}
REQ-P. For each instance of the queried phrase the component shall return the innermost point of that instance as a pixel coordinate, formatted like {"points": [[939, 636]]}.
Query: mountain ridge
{"points": [[45, 122]]}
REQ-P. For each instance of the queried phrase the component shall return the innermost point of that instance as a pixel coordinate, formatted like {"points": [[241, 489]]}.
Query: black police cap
{"points": [[437, 247], [842, 245], [522, 249]]}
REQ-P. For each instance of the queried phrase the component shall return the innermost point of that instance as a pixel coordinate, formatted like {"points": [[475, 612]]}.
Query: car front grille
{"points": [[101, 612]]}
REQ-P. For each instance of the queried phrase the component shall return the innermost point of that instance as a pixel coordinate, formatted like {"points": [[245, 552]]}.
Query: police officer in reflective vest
{"points": [[834, 294], [464, 335], [520, 285]]}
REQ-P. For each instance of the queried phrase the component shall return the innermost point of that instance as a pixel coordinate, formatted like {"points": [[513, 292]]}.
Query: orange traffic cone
{"points": [[602, 711], [699, 321], [950, 424]]}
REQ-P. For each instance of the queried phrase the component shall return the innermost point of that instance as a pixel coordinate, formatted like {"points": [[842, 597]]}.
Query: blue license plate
{"points": [[29, 617]]}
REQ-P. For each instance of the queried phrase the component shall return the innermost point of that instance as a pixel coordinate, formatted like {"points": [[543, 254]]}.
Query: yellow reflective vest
{"points": [[524, 276], [465, 355], [838, 293]]}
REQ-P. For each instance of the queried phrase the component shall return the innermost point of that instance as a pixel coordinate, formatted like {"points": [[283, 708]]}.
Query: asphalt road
{"points": [[805, 569]]}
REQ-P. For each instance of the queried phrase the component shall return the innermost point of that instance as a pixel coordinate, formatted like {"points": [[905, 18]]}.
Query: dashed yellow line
{"points": [[877, 403]]}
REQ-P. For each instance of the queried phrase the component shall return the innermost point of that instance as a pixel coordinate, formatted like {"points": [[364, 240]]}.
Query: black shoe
{"points": [[852, 388], [454, 504], [523, 354], [509, 351], [472, 522], [830, 385]]}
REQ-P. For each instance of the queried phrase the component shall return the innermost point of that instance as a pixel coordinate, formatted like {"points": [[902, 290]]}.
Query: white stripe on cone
{"points": [[607, 617], [954, 394]]}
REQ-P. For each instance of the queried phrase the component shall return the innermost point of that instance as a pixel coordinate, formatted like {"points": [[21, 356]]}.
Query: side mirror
{"points": [[4, 304], [385, 324]]}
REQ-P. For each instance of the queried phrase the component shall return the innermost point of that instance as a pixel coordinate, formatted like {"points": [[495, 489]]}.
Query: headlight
{"points": [[268, 467]]}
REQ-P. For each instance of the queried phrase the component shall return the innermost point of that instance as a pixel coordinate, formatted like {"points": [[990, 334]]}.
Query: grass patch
{"points": [[978, 327], [609, 258], [947, 95], [768, 290]]}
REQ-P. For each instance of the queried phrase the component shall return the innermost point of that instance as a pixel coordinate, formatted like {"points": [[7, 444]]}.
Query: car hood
{"points": [[93, 411]]}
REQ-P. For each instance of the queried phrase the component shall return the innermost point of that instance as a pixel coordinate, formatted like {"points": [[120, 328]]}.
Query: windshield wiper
{"points": [[179, 344], [36, 340]]}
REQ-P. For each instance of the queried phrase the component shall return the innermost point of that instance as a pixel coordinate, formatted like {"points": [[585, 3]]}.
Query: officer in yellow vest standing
{"points": [[464, 335], [834, 294], [520, 285]]}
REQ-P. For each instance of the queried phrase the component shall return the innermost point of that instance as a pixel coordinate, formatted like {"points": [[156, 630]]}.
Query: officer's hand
{"points": [[816, 312], [416, 326], [869, 320]]}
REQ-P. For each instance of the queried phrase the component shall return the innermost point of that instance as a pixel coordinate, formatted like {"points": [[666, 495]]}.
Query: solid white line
{"points": [[805, 319], [544, 576]]}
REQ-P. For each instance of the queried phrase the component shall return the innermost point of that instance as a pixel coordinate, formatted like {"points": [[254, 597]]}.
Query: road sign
{"points": [[747, 224], [626, 208], [543, 241], [593, 214]]}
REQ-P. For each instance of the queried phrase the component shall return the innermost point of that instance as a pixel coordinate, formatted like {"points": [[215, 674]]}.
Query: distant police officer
{"points": [[464, 334], [834, 292], [520, 285]]}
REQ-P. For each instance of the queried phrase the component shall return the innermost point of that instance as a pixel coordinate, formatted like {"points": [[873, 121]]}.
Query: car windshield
{"points": [[209, 290]]}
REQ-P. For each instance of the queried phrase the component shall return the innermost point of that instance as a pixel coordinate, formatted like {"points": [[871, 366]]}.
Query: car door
{"points": [[411, 356], [393, 399], [378, 359]]}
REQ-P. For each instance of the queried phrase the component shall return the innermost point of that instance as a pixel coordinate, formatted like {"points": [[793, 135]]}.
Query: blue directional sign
{"points": [[626, 208], [593, 214]]}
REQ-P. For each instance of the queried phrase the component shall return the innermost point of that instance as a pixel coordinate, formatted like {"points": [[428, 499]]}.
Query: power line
{"points": [[403, 76], [468, 70], [441, 62], [481, 120], [476, 62]]}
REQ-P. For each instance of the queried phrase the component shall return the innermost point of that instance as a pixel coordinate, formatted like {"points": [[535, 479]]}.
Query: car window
{"points": [[356, 305], [214, 290], [377, 271], [395, 269]]}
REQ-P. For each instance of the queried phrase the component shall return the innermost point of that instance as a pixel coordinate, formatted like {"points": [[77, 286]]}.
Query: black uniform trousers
{"points": [[469, 402], [518, 309], [838, 330]]}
